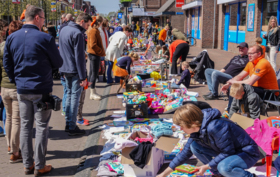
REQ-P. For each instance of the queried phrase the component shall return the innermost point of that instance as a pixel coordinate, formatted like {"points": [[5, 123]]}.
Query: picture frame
{"points": [[251, 17]]}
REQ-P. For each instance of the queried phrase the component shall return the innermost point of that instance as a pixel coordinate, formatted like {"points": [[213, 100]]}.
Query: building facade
{"points": [[224, 24]]}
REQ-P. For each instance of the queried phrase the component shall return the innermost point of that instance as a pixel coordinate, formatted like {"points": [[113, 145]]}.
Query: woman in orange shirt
{"points": [[177, 49], [162, 35]]}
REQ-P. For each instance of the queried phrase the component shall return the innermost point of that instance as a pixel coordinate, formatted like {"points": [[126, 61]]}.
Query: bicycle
{"points": [[192, 40]]}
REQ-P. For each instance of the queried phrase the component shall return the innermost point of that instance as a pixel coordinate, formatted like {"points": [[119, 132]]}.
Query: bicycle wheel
{"points": [[192, 41]]}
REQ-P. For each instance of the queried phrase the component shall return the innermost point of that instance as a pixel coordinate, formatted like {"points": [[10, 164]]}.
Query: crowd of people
{"points": [[29, 55]]}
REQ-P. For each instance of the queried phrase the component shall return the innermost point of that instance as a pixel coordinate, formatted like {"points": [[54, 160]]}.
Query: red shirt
{"points": [[173, 47]]}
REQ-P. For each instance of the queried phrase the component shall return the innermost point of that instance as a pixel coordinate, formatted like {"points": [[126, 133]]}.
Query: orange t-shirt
{"points": [[262, 68], [162, 35]]}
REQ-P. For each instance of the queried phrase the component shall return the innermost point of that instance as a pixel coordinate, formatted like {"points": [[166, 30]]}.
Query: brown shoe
{"points": [[29, 170], [9, 150], [46, 169], [15, 159]]}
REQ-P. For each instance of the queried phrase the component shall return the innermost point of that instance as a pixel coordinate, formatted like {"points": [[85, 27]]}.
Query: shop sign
{"points": [[120, 15], [150, 13], [251, 17], [138, 12], [179, 3], [16, 1], [179, 13], [129, 9]]}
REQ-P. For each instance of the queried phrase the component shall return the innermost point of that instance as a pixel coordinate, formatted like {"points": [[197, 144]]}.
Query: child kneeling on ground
{"points": [[185, 76], [245, 100], [122, 67], [221, 145]]}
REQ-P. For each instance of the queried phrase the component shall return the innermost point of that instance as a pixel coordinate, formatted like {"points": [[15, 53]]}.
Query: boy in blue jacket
{"points": [[221, 145]]}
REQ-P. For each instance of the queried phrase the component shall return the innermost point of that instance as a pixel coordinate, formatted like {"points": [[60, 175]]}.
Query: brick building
{"points": [[231, 18]]}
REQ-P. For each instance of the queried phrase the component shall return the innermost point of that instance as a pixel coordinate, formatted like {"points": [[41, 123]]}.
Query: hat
{"points": [[243, 44]]}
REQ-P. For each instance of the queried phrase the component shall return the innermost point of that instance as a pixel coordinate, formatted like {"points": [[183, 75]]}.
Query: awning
{"points": [[192, 5], [227, 1], [164, 13], [164, 7]]}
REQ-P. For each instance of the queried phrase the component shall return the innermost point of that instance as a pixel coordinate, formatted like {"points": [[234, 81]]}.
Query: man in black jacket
{"points": [[233, 68], [72, 51], [29, 58]]}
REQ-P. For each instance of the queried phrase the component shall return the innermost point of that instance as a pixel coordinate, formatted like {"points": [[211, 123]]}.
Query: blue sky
{"points": [[106, 6]]}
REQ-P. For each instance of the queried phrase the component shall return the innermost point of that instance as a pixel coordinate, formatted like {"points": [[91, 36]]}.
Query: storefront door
{"points": [[193, 27], [226, 32]]}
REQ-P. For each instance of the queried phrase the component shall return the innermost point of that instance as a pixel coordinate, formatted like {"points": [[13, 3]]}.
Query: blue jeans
{"points": [[231, 166], [64, 95], [109, 71], [74, 91], [214, 78]]}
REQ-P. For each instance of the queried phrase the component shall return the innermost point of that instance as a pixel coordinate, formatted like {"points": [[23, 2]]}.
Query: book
{"points": [[186, 168]]}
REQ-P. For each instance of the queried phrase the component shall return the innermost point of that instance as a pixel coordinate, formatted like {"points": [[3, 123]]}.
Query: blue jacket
{"points": [[224, 137], [72, 50], [29, 58]]}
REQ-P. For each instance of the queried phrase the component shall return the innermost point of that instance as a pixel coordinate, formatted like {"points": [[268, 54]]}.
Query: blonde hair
{"points": [[133, 55], [270, 27], [158, 48], [167, 26], [236, 90], [258, 40], [188, 115], [185, 64]]}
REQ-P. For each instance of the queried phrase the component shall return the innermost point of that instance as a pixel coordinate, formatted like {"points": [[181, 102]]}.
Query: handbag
{"points": [[267, 49]]}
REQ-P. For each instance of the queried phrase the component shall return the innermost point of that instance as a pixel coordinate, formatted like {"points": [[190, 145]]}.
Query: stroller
{"points": [[200, 64]]}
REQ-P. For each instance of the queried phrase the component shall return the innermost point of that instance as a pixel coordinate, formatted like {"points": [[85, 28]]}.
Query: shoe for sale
{"points": [[211, 97], [40, 172], [29, 170], [63, 113], [15, 159], [82, 122], [76, 132], [67, 128]]}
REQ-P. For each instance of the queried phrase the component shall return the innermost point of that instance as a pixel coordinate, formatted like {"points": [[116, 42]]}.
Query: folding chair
{"points": [[273, 99]]}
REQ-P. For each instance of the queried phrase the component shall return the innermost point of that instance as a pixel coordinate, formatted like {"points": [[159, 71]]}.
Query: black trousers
{"points": [[181, 50], [161, 43], [94, 69]]}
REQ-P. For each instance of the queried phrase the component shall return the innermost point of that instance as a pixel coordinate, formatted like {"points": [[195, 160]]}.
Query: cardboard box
{"points": [[243, 121], [154, 161]]}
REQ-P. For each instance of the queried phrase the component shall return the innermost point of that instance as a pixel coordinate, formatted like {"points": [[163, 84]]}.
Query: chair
{"points": [[273, 99], [272, 122]]}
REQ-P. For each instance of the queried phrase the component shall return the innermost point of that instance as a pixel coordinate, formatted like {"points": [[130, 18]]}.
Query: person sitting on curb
{"points": [[233, 68], [211, 141], [185, 77], [262, 75], [245, 100]]}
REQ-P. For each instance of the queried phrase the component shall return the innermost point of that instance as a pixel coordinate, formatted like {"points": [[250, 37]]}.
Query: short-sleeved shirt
{"points": [[262, 68], [236, 65]]}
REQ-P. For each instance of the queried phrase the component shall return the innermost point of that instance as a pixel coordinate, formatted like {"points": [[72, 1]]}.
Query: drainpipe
{"points": [[214, 24]]}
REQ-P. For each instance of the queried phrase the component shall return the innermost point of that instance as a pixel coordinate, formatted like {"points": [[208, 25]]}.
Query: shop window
{"points": [[269, 8], [237, 25], [196, 23]]}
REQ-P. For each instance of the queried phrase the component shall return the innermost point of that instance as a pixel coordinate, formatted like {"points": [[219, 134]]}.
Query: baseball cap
{"points": [[243, 44]]}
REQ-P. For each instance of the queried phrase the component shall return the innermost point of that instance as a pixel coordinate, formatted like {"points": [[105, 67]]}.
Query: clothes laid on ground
{"points": [[236, 65], [262, 68], [108, 147], [115, 167], [262, 134], [140, 154], [109, 156], [125, 63], [216, 134], [185, 78], [103, 169], [250, 103]]}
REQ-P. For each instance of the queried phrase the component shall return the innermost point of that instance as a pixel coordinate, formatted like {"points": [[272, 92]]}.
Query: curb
{"points": [[89, 158]]}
